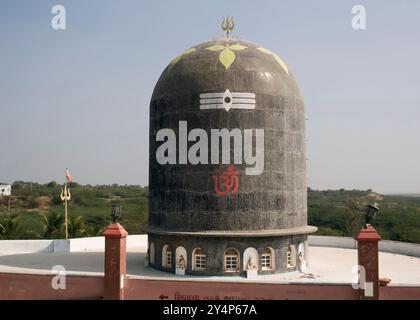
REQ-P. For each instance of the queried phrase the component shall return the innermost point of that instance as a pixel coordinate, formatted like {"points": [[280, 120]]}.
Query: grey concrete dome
{"points": [[227, 152]]}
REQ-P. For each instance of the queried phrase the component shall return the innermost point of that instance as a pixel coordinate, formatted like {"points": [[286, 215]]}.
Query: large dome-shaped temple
{"points": [[227, 167]]}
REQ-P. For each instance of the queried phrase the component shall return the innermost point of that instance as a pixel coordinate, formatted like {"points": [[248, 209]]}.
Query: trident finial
{"points": [[65, 194], [227, 25]]}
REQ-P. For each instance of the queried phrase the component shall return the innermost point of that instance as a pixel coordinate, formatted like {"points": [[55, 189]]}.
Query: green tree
{"points": [[95, 231], [52, 184], [76, 227], [352, 218], [10, 229], [53, 225]]}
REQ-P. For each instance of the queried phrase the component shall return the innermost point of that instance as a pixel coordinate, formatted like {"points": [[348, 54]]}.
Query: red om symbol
{"points": [[227, 182]]}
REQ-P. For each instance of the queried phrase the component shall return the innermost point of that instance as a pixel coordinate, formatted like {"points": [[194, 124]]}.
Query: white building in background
{"points": [[5, 190]]}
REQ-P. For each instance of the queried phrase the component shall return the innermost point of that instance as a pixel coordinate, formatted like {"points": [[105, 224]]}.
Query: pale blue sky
{"points": [[79, 97]]}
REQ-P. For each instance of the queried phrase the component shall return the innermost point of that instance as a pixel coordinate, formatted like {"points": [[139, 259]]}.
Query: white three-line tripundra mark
{"points": [[227, 100]]}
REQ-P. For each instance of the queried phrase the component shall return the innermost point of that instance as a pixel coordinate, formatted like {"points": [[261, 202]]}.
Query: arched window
{"points": [[199, 259], [267, 259], [166, 257], [152, 253], [231, 260]]}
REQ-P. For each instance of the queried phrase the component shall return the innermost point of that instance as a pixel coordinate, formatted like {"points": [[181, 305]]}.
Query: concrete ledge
{"points": [[408, 249], [62, 246], [232, 233], [137, 241], [332, 242], [404, 248], [25, 246]]}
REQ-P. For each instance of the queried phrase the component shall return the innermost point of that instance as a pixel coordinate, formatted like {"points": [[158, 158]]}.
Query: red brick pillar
{"points": [[368, 257], [115, 262]]}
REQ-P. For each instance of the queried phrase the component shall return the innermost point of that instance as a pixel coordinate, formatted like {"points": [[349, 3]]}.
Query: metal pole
{"points": [[65, 213]]}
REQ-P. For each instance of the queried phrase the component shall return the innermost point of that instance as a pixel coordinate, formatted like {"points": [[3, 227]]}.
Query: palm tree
{"points": [[10, 229], [95, 231], [2, 231], [76, 227], [53, 224]]}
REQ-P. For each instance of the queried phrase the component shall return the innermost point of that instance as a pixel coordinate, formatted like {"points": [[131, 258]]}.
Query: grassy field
{"points": [[37, 212]]}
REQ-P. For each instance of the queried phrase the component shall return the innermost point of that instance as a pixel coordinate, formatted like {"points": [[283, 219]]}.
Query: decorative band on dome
{"points": [[227, 100]]}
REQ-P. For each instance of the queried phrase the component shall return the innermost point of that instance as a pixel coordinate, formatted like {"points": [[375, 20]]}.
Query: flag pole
{"points": [[65, 212], [65, 197]]}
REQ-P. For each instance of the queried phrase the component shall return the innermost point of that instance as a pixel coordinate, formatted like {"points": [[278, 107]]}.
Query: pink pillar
{"points": [[115, 262], [368, 257]]}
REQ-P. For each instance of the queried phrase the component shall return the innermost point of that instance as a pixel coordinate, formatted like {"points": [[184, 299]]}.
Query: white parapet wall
{"points": [[90, 244], [333, 242], [97, 244], [396, 247], [408, 249], [25, 246]]}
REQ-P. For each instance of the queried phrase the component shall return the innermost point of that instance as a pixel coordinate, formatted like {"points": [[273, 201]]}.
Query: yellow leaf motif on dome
{"points": [[216, 47], [175, 61], [237, 47], [277, 58], [227, 55]]}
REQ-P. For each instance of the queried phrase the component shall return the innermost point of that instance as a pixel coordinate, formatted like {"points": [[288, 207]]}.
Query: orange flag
{"points": [[69, 178]]}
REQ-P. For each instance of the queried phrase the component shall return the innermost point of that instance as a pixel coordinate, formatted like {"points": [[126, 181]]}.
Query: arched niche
{"points": [[181, 252], [250, 253]]}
